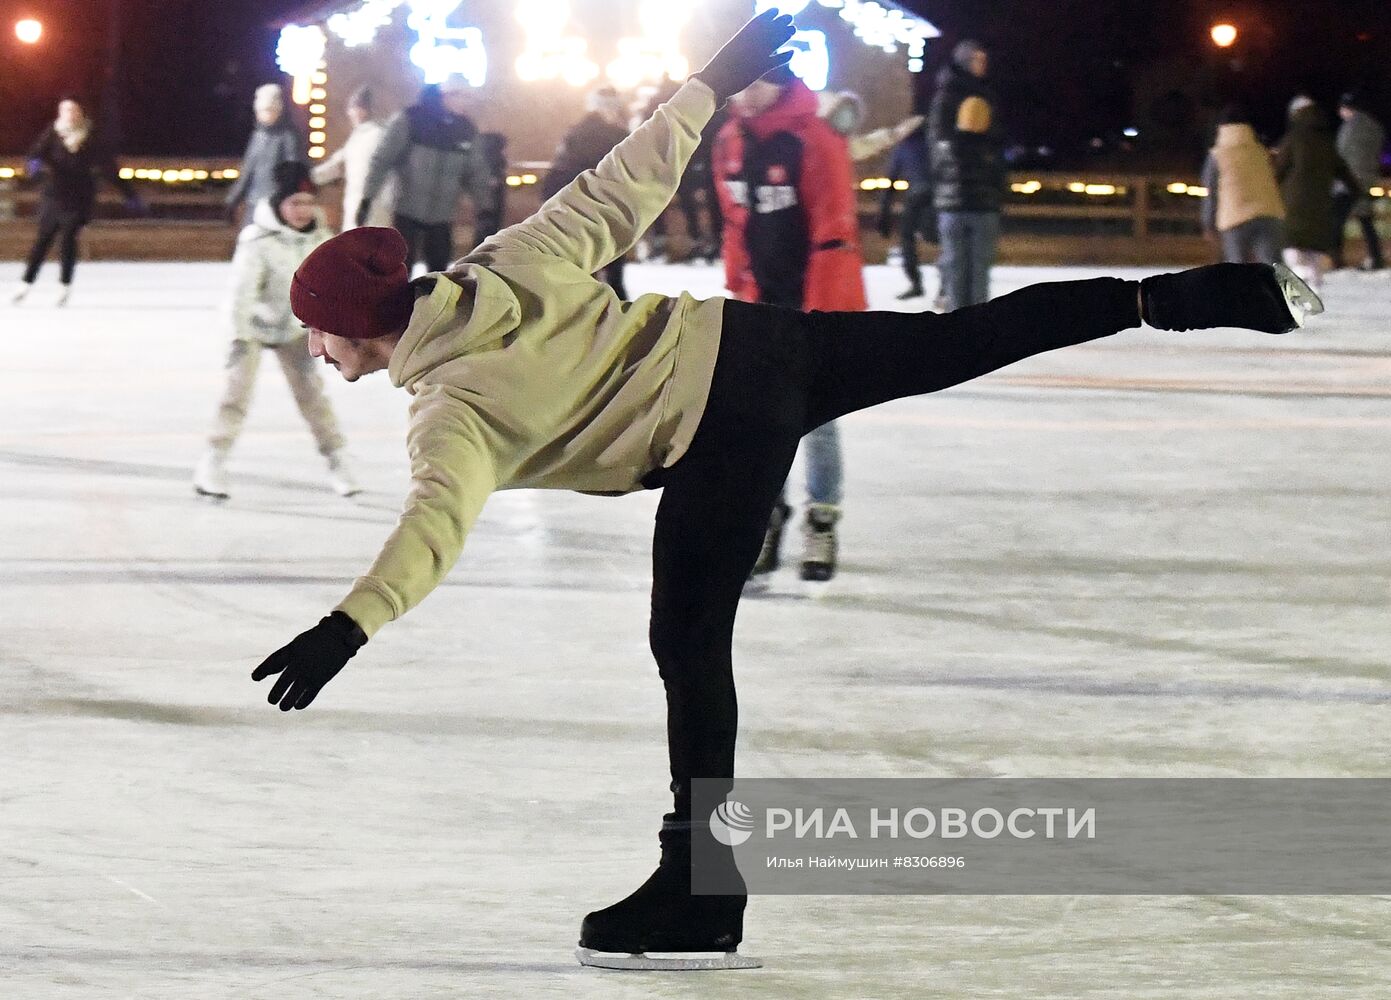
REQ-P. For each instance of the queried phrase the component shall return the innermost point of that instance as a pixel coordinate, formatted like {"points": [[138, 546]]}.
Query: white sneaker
{"points": [[22, 294], [63, 296], [210, 477], [340, 477]]}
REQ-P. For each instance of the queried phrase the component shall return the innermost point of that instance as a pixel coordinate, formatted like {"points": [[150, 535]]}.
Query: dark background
{"points": [[1072, 74]]}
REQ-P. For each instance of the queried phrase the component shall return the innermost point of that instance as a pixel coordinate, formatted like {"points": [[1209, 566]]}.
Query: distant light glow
{"points": [[443, 50], [28, 31], [1131, 133], [359, 27], [811, 59], [549, 52], [300, 54], [1224, 35], [657, 53]]}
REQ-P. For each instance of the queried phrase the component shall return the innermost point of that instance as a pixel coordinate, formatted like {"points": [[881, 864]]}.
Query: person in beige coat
{"points": [[352, 161], [1243, 207], [527, 372], [285, 229]]}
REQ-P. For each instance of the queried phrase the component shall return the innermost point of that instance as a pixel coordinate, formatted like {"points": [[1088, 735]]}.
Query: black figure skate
{"points": [[663, 926]]}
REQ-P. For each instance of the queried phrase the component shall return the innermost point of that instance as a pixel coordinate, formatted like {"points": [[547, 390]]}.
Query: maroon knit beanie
{"points": [[355, 285]]}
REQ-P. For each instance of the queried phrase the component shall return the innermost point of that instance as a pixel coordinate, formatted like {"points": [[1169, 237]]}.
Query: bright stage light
{"points": [[28, 31], [1224, 35]]}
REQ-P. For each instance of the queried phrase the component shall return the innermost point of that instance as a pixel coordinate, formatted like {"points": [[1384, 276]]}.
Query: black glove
{"points": [[310, 661], [751, 53], [363, 207]]}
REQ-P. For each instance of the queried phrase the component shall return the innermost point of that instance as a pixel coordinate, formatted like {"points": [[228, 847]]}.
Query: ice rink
{"points": [[1155, 555]]}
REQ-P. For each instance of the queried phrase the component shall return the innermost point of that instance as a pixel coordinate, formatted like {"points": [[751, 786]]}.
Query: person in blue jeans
{"points": [[968, 174]]}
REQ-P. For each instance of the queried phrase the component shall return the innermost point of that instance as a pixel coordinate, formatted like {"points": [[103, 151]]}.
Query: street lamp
{"points": [[28, 31], [1224, 35]]}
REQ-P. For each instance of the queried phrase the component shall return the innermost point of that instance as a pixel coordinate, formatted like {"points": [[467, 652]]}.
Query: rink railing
{"points": [[191, 190]]}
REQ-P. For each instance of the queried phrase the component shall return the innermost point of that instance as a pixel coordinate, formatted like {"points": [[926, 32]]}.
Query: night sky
{"points": [[1069, 71]]}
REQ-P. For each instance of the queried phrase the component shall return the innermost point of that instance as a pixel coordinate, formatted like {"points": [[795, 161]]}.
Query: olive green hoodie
{"points": [[527, 372]]}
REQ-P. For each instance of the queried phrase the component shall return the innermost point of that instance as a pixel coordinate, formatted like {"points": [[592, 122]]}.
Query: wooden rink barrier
{"points": [[1064, 218]]}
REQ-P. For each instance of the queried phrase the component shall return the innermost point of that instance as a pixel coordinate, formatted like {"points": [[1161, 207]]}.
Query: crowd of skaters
{"points": [[770, 192]]}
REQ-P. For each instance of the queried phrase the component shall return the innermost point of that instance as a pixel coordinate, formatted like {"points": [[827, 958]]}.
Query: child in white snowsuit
{"points": [[285, 228]]}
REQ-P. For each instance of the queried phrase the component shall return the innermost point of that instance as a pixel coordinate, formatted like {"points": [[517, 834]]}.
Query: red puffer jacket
{"points": [[787, 188]]}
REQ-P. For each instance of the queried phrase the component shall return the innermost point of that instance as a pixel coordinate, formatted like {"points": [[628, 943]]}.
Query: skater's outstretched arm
{"points": [[600, 215], [452, 475]]}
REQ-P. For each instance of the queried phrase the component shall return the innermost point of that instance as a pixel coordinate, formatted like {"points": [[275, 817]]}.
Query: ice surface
{"points": [[1157, 555]]}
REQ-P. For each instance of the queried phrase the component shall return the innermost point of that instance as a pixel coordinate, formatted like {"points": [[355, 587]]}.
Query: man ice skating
{"points": [[527, 372]]}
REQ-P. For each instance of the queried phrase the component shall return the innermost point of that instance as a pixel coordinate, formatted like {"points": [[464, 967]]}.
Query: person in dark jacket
{"points": [[493, 208], [968, 174], [1306, 165], [911, 164], [1360, 141], [433, 150], [697, 189], [72, 160], [274, 141], [588, 142]]}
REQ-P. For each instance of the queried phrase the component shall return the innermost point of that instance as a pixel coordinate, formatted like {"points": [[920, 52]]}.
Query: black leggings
{"points": [[779, 374], [51, 226], [432, 242]]}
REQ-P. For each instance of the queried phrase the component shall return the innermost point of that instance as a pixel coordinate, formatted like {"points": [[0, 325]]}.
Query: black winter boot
{"points": [[1265, 297], [663, 915], [770, 556]]}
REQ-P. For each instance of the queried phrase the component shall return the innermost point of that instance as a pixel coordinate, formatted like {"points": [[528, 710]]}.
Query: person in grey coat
{"points": [[433, 150], [275, 140], [1360, 141]]}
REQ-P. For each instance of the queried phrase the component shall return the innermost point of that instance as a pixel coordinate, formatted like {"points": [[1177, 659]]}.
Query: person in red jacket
{"points": [[791, 239]]}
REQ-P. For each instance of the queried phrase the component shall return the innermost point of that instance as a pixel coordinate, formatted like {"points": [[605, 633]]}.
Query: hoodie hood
{"points": [[794, 109], [1235, 134], [468, 310]]}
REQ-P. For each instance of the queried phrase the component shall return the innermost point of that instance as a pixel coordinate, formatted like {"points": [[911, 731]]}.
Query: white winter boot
{"points": [[341, 477], [22, 294], [63, 296], [210, 477]]}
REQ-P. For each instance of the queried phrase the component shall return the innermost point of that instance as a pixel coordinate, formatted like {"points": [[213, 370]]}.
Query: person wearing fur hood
{"points": [[285, 228], [844, 111], [1243, 207]]}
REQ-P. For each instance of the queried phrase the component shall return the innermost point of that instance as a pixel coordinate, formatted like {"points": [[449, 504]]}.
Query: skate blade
{"points": [[210, 495], [758, 586], [696, 961], [1301, 300]]}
